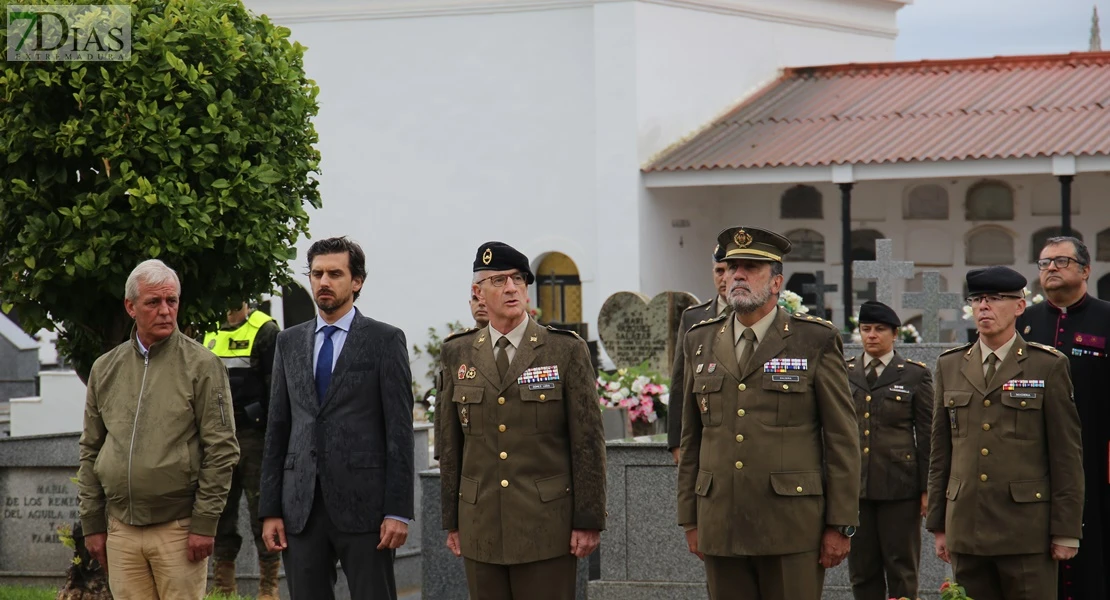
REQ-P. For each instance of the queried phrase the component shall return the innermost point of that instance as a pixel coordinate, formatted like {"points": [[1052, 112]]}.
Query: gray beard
{"points": [[755, 301]]}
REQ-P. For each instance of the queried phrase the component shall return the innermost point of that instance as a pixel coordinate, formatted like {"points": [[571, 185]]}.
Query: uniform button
{"points": [[909, 456], [785, 387], [543, 397], [1038, 495], [984, 452], [739, 465], [740, 413], [504, 455], [798, 489], [501, 400], [986, 402], [986, 426], [501, 428], [741, 387], [703, 387], [866, 450], [983, 477], [504, 483], [868, 398], [739, 438], [1023, 402], [897, 397], [866, 432], [867, 415], [697, 489], [464, 398]]}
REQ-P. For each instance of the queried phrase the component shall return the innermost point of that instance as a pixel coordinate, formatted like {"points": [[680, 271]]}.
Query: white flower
{"points": [[431, 400], [802, 308], [613, 386], [619, 395], [969, 314], [1038, 299], [652, 417], [639, 383], [665, 398], [624, 392]]}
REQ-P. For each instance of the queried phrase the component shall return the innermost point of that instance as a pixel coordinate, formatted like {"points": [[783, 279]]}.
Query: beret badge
{"points": [[487, 256]]}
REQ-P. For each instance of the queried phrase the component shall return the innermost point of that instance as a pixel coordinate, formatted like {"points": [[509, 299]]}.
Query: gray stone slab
{"points": [[34, 502], [633, 329], [932, 300]]}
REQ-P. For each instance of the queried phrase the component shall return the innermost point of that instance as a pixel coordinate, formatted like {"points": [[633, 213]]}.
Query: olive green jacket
{"points": [[769, 457], [522, 459], [1006, 473], [159, 437]]}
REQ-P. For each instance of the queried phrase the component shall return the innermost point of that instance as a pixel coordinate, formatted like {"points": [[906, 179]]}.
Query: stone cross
{"points": [[932, 300], [885, 270], [959, 327], [818, 289]]}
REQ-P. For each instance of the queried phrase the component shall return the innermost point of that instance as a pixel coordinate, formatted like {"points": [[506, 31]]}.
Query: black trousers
{"points": [[311, 554]]}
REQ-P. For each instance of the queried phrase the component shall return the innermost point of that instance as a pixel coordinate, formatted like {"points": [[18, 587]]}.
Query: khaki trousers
{"points": [[551, 579], [151, 562], [777, 577], [1008, 577], [886, 549]]}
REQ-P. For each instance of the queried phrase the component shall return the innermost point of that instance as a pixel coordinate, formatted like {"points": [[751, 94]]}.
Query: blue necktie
{"points": [[323, 364]]}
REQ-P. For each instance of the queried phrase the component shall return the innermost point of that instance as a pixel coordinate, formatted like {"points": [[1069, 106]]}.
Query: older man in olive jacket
{"points": [[1006, 472], [768, 477]]}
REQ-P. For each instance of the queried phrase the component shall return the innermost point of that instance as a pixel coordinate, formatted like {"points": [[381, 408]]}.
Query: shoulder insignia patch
{"points": [[716, 319], [958, 348], [1045, 348], [918, 363], [460, 333], [564, 332]]}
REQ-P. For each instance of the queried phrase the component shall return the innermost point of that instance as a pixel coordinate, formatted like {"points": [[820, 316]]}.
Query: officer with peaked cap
{"points": [[894, 406], [523, 451], [768, 477], [1006, 475]]}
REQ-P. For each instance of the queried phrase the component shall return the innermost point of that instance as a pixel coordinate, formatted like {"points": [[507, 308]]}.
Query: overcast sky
{"points": [[975, 28]]}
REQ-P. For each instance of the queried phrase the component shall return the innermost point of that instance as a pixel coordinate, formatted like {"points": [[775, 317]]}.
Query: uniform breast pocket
{"points": [[468, 404], [1024, 417], [707, 394], [897, 406], [542, 407], [793, 403], [958, 406]]}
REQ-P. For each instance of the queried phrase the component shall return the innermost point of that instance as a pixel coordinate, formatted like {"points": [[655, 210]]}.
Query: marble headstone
{"points": [[885, 270], [932, 300], [633, 329]]}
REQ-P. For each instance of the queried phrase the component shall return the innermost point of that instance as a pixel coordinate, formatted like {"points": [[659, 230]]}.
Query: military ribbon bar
{"points": [[536, 374], [1014, 384], [782, 365]]}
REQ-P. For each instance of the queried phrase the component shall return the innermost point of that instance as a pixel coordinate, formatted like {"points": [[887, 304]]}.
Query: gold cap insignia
{"points": [[487, 256], [742, 238], [1027, 328]]}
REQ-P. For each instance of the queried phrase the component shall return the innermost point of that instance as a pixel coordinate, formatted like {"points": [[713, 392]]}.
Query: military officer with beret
{"points": [[894, 405], [768, 477], [1006, 472], [523, 452], [710, 309]]}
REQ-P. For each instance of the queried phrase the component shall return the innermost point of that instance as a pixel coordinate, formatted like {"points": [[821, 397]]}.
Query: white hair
{"points": [[150, 272]]}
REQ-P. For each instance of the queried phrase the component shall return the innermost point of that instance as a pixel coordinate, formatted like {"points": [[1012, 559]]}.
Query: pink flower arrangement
{"points": [[949, 590], [638, 389]]}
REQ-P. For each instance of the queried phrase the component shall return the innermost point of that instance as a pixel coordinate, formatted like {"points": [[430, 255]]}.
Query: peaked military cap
{"points": [[994, 280], [499, 256], [718, 253], [752, 243], [877, 312]]}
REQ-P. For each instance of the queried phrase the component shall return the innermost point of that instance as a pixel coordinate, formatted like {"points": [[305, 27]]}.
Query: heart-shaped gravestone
{"points": [[633, 330]]}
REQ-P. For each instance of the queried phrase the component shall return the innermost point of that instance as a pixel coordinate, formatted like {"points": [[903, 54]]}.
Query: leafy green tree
{"points": [[197, 150]]}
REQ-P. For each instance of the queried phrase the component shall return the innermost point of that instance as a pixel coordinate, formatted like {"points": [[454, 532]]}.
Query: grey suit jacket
{"points": [[358, 444]]}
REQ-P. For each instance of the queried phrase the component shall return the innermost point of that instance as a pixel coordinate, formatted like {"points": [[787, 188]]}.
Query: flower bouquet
{"points": [[640, 390], [949, 590], [792, 302]]}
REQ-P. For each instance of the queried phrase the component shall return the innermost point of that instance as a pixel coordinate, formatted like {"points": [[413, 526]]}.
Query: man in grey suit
{"points": [[337, 473]]}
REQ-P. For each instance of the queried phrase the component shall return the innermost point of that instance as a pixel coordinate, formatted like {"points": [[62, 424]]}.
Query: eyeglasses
{"points": [[989, 299], [499, 280], [1061, 262]]}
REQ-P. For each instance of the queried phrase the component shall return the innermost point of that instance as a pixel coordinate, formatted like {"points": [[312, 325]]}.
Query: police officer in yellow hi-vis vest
{"points": [[246, 345]]}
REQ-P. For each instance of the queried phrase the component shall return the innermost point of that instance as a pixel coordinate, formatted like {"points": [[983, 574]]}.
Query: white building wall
{"points": [[60, 407]]}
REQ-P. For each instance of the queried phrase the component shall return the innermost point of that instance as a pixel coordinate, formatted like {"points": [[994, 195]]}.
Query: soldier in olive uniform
{"points": [[710, 309], [768, 477], [894, 404], [523, 451], [1006, 474]]}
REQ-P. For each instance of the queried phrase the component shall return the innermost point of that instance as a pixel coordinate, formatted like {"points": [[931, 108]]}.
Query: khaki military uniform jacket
{"points": [[769, 459], [522, 458], [690, 317], [895, 424], [1006, 474]]}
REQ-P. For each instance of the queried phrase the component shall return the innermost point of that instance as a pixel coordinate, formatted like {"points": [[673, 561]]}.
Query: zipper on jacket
{"points": [[131, 451], [220, 399]]}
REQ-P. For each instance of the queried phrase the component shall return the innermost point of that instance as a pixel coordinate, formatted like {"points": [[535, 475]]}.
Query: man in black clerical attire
{"points": [[1078, 325]]}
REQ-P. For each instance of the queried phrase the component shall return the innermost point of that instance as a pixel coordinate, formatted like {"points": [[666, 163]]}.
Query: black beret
{"points": [[877, 312], [992, 280], [718, 253], [751, 243], [499, 256]]}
